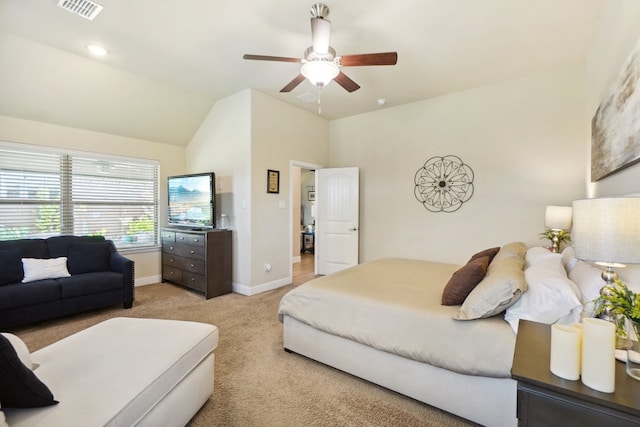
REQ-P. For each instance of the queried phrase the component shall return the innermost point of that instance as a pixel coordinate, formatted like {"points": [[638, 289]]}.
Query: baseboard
{"points": [[142, 281], [264, 287]]}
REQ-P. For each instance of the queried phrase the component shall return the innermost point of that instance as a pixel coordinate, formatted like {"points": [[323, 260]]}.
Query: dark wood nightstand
{"points": [[547, 400]]}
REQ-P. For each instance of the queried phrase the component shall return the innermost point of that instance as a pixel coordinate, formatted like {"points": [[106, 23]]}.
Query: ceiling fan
{"points": [[320, 63]]}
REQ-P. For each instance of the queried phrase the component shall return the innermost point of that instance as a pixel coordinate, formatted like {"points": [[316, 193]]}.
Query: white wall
{"points": [[618, 34], [524, 140], [280, 134], [171, 158], [222, 145], [243, 136]]}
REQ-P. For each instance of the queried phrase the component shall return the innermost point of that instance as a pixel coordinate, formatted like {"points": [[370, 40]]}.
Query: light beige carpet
{"points": [[256, 382]]}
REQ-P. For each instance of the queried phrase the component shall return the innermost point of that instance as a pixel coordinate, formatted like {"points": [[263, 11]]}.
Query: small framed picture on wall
{"points": [[273, 181], [311, 196]]}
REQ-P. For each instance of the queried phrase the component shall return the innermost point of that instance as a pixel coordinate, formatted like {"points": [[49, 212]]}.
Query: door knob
{"points": [[353, 229]]}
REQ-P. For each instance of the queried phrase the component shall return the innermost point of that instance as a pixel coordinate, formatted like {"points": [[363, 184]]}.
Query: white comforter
{"points": [[394, 305]]}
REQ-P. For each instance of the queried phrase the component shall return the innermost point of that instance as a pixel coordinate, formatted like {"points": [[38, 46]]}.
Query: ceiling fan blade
{"points": [[293, 83], [384, 58], [320, 33], [271, 58], [346, 82]]}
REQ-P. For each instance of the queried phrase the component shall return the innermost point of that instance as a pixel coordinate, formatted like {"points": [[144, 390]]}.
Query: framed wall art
{"points": [[615, 128], [273, 181], [311, 196]]}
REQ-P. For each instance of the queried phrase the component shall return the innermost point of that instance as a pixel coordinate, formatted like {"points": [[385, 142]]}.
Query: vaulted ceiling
{"points": [[169, 61]]}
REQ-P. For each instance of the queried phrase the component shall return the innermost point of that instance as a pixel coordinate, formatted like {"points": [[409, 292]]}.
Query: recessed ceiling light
{"points": [[97, 50]]}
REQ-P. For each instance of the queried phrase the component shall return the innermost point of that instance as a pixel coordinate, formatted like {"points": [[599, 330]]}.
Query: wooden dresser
{"points": [[199, 260]]}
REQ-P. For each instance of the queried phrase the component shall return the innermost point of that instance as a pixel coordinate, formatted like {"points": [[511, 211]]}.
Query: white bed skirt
{"points": [[484, 400]]}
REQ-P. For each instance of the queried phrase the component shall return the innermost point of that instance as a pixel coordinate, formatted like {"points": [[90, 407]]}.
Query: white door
{"points": [[337, 223]]}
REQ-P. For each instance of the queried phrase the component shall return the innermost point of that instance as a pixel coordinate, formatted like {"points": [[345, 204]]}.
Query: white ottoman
{"points": [[125, 372]]}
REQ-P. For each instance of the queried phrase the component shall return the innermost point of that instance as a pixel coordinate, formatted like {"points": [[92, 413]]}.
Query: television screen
{"points": [[192, 200]]}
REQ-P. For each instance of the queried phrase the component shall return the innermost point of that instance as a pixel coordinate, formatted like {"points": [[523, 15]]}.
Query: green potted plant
{"points": [[555, 237], [621, 303]]}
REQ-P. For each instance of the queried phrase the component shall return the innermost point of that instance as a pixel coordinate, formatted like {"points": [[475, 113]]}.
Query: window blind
{"points": [[46, 193]]}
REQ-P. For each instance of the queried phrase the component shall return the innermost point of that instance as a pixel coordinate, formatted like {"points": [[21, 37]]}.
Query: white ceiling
{"points": [[171, 60]]}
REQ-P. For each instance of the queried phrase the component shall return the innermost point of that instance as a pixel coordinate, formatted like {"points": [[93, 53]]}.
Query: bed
{"points": [[384, 321]]}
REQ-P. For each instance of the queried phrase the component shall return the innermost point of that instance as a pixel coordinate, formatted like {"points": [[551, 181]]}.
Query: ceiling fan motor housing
{"points": [[319, 10]]}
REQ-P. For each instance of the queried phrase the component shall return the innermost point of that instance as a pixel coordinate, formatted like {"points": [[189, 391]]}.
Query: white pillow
{"points": [[537, 254], [38, 269], [550, 297], [589, 280], [569, 258], [21, 349]]}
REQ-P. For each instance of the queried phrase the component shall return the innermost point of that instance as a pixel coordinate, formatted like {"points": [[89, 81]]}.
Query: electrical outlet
{"points": [[267, 267]]}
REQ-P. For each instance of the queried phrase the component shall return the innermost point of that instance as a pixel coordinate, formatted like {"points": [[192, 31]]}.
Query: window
{"points": [[47, 193]]}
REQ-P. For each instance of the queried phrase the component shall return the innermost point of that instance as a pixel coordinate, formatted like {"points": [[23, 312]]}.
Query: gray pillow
{"points": [[500, 288]]}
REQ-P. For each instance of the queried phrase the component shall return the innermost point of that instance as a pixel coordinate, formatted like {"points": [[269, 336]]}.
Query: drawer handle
{"points": [[170, 259], [181, 238], [171, 273], [192, 251], [196, 240], [170, 248], [193, 279], [192, 265]]}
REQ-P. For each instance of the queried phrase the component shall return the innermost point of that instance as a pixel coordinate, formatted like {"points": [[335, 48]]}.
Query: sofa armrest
{"points": [[126, 267]]}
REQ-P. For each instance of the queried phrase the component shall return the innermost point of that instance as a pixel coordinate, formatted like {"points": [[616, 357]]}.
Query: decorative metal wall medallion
{"points": [[443, 184]]}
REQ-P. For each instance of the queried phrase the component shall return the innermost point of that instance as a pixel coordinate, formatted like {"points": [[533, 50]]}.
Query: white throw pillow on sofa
{"points": [[38, 269]]}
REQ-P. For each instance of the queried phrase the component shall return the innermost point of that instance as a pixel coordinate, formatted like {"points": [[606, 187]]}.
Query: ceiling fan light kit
{"points": [[320, 65], [320, 73]]}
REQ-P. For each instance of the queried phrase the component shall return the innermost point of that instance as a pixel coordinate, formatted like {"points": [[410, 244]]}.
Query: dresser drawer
{"points": [[172, 273], [175, 261], [194, 281], [168, 236], [190, 239], [191, 251], [193, 265]]}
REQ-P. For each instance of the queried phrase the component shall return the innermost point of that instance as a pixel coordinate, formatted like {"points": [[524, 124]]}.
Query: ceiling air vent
{"points": [[87, 9]]}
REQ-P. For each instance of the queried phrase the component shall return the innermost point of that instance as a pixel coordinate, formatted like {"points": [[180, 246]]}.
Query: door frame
{"points": [[302, 165]]}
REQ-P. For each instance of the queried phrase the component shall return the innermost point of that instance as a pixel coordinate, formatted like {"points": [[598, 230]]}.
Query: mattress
{"points": [[113, 373], [393, 305]]}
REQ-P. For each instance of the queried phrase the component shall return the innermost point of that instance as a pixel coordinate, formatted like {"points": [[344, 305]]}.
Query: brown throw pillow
{"points": [[464, 280], [491, 253]]}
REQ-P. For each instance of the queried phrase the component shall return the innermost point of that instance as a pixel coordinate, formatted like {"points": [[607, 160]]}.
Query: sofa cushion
{"points": [[89, 257], [89, 283], [11, 262], [19, 386], [38, 269], [59, 245], [29, 248], [23, 294]]}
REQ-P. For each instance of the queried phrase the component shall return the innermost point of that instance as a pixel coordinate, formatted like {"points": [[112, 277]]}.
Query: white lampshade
{"points": [[320, 73], [558, 217], [607, 230]]}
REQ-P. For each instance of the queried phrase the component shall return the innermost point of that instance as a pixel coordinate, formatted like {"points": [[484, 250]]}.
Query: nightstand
{"points": [[547, 400]]}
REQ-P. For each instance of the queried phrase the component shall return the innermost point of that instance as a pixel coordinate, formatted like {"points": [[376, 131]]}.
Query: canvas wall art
{"points": [[615, 128]]}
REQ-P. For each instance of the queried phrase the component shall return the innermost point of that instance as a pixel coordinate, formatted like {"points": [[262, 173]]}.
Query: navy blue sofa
{"points": [[100, 277]]}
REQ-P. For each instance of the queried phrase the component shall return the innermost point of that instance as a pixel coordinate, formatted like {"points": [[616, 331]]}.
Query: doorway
{"points": [[302, 220]]}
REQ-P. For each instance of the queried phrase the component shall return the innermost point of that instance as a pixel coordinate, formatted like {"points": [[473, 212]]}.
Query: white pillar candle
{"points": [[598, 354], [566, 348]]}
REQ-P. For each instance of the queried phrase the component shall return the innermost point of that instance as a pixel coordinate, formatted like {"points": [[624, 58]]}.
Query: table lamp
{"points": [[607, 231], [557, 219]]}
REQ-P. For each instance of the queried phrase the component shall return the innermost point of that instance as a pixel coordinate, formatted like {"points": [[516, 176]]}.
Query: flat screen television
{"points": [[192, 200]]}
